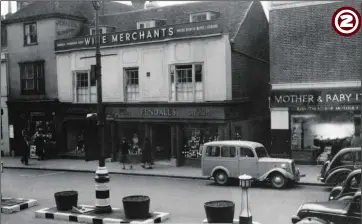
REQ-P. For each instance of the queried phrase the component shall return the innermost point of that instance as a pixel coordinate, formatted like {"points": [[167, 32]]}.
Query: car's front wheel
{"points": [[341, 178], [220, 177], [279, 181]]}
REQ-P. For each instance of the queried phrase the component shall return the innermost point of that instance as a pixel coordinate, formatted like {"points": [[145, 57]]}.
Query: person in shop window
{"points": [[146, 154], [25, 149], [125, 147]]}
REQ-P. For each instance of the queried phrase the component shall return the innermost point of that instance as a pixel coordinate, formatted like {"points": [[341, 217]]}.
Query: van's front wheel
{"points": [[220, 177]]}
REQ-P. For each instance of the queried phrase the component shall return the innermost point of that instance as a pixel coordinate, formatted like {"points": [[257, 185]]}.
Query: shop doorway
{"points": [[161, 141]]}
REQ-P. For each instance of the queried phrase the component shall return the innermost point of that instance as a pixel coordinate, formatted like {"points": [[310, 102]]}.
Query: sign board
{"points": [[165, 112], [143, 35], [11, 131], [318, 100]]}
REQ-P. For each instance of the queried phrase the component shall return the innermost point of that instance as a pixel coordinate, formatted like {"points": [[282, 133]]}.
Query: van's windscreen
{"points": [[261, 152]]}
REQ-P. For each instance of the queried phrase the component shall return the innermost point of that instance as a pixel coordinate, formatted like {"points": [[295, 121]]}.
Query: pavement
{"points": [[183, 198], [159, 170]]}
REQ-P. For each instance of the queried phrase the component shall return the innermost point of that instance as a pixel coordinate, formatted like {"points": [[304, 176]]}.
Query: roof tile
{"points": [[231, 12], [82, 9]]}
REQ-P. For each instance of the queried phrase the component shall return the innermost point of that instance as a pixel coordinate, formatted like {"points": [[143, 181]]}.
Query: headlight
{"points": [[284, 166]]}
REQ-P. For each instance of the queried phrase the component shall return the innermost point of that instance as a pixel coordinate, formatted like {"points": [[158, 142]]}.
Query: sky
{"points": [[4, 5]]}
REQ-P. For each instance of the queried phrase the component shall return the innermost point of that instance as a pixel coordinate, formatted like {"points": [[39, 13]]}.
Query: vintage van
{"points": [[223, 160]]}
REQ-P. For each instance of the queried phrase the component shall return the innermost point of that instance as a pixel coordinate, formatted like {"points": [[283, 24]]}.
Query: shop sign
{"points": [[143, 35], [327, 108], [314, 98], [165, 112]]}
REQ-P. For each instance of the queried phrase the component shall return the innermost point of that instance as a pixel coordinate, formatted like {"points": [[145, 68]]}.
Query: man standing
{"points": [[124, 153]]}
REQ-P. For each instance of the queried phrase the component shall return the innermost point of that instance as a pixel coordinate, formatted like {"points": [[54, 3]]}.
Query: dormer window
{"points": [[203, 16], [102, 30], [150, 23]]}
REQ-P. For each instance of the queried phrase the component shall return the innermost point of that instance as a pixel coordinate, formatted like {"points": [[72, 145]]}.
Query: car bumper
{"points": [[297, 175], [321, 179]]}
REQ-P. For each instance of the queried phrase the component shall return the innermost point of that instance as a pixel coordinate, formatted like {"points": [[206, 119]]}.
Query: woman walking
{"points": [[25, 150], [124, 153], [146, 154]]}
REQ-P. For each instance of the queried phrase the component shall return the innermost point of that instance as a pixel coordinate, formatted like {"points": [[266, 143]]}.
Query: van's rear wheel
{"points": [[279, 181], [220, 177]]}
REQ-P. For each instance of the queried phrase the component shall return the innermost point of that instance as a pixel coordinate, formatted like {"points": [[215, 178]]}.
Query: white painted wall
{"points": [[4, 119], [154, 58]]}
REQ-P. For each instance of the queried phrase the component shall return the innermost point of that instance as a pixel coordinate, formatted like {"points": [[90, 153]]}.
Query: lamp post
{"points": [[245, 216], [102, 177]]}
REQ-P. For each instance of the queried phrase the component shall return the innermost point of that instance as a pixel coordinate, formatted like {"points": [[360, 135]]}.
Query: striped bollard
{"points": [[103, 202]]}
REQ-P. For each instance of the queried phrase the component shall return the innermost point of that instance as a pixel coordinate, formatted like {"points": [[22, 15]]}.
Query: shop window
{"points": [[30, 34], [187, 83], [246, 152], [132, 85], [196, 138], [228, 151], [32, 78], [85, 88], [325, 131], [213, 151], [237, 133]]}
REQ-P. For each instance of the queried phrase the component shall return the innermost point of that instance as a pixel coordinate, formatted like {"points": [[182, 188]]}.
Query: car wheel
{"points": [[279, 181], [220, 177], [340, 178]]}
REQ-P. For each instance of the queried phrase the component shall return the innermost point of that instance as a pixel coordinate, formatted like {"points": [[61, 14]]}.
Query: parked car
{"points": [[328, 212], [348, 188], [336, 171], [223, 160]]}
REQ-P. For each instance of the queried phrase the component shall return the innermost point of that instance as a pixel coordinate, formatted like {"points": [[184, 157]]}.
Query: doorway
{"points": [[161, 141]]}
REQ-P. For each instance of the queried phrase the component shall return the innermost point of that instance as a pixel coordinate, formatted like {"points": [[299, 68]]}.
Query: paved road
{"points": [[182, 198]]}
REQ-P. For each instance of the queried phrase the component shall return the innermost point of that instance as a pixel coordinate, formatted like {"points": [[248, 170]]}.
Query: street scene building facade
{"points": [[315, 78], [170, 80], [32, 74]]}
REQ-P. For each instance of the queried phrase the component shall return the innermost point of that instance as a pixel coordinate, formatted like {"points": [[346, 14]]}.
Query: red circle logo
{"points": [[346, 21]]}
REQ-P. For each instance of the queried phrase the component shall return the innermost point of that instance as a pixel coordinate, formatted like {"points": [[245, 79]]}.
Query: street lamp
{"points": [[102, 177], [245, 216]]}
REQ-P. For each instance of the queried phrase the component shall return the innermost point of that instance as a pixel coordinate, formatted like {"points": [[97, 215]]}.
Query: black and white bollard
{"points": [[103, 203], [245, 216]]}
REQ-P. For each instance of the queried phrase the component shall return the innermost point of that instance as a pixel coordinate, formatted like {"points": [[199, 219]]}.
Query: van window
{"points": [[228, 151], [246, 152], [213, 151]]}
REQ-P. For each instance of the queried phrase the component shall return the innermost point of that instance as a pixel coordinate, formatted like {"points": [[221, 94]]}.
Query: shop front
{"points": [[176, 131], [310, 125], [32, 118]]}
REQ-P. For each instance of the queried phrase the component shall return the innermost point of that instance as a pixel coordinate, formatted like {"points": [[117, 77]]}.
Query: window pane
{"points": [[198, 73], [227, 151], [245, 152], [213, 151]]}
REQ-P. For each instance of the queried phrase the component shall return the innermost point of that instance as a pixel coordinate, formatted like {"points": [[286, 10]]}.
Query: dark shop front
{"points": [[30, 117], [308, 123], [176, 132]]}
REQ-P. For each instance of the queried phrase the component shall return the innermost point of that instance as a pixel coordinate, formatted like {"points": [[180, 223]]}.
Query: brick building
{"points": [[181, 75], [315, 79]]}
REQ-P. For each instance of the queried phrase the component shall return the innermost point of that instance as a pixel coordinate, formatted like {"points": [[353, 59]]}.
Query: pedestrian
{"points": [[39, 144], [124, 153], [25, 150], [146, 154]]}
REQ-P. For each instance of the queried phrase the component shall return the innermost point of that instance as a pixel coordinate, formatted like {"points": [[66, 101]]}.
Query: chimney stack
{"points": [[9, 8], [139, 4]]}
